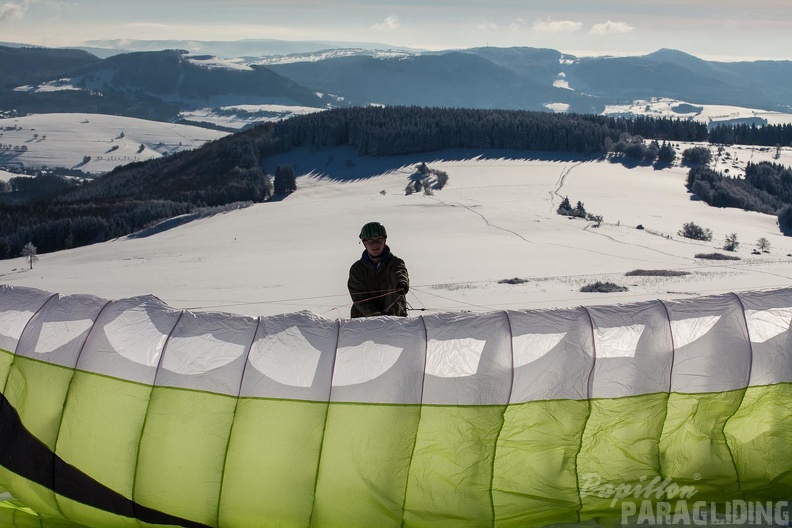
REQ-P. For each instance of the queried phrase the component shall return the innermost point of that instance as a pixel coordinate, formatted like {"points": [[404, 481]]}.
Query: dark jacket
{"points": [[369, 281]]}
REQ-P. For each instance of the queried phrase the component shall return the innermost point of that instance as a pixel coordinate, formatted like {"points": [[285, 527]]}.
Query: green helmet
{"points": [[373, 229]]}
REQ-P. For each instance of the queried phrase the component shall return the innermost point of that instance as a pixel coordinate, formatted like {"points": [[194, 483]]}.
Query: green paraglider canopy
{"points": [[128, 412]]}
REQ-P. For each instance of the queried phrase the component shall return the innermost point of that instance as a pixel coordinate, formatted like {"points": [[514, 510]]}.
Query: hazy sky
{"points": [[713, 29]]}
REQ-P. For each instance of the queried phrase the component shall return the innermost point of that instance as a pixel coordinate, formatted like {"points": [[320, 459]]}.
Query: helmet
{"points": [[373, 229]]}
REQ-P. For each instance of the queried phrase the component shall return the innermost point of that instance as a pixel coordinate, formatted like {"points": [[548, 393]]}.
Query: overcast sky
{"points": [[712, 29]]}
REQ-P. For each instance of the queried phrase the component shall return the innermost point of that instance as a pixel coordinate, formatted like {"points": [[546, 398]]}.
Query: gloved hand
{"points": [[402, 288]]}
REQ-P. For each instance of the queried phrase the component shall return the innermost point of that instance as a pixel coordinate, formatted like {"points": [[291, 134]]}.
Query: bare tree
{"points": [[763, 245], [29, 252]]}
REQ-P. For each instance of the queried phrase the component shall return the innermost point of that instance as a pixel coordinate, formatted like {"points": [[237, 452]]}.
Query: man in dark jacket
{"points": [[378, 281]]}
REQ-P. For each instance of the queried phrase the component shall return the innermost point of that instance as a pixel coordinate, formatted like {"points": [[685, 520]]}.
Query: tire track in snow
{"points": [[490, 224], [633, 245], [560, 183], [518, 235]]}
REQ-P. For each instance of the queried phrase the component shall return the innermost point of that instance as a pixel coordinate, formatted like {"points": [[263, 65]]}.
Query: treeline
{"points": [[636, 148], [139, 195], [389, 131], [22, 188], [234, 168], [52, 226], [766, 188], [231, 169], [767, 135]]}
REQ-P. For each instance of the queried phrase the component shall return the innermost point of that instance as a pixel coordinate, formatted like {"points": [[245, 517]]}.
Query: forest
{"points": [[237, 170], [766, 188]]}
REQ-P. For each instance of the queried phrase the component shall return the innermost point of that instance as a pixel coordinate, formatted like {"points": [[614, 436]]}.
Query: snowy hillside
{"points": [[710, 114], [332, 54], [5, 175], [94, 143], [493, 223], [240, 116]]}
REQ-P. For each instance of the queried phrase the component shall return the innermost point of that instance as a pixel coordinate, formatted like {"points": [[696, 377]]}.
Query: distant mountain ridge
{"points": [[164, 84], [26, 65], [177, 75], [674, 74], [152, 85], [232, 49], [452, 79]]}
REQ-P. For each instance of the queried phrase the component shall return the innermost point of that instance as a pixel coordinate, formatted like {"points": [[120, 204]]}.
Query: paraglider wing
{"points": [[119, 412]]}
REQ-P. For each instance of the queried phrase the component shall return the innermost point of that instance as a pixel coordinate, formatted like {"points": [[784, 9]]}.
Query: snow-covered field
{"points": [[69, 140], [5, 175], [710, 114], [494, 221], [239, 116]]}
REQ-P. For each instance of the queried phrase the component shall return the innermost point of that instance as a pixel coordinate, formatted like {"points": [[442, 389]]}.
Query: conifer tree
{"points": [[731, 243], [565, 208], [285, 180]]}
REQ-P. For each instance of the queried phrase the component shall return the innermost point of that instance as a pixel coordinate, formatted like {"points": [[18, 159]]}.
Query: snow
{"points": [[732, 161], [5, 175], [64, 140], [494, 221], [333, 53], [562, 82], [664, 107], [211, 62], [557, 107], [239, 116], [49, 86]]}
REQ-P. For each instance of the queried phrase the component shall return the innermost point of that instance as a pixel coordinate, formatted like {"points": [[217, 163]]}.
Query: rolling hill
{"points": [[150, 85], [495, 221], [177, 84], [93, 143]]}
